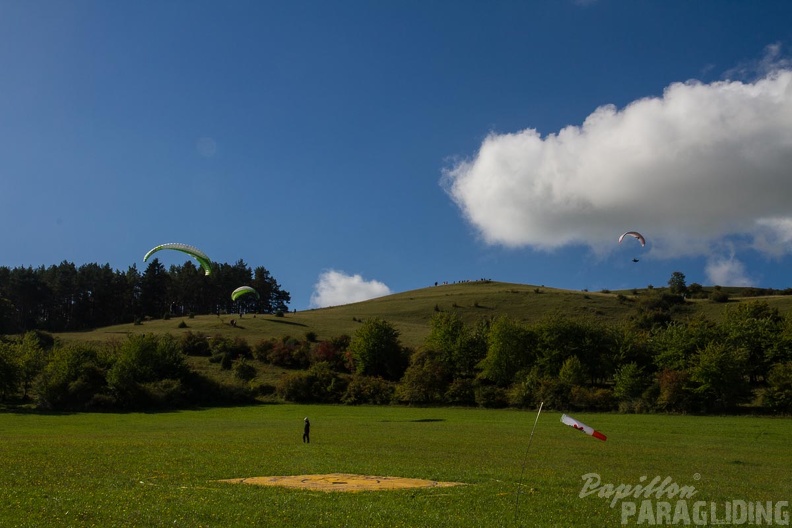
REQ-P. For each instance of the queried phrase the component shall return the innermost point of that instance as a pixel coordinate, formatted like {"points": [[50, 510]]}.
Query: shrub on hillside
{"points": [[376, 350], [368, 390], [461, 391], [201, 390], [289, 353], [244, 371], [195, 344], [262, 349], [332, 352], [424, 381], [142, 364], [630, 382], [591, 398], [73, 378], [225, 350], [491, 396], [318, 384], [551, 391], [165, 393], [719, 296], [720, 378], [572, 372], [521, 394], [9, 371], [234, 348], [778, 395], [673, 391]]}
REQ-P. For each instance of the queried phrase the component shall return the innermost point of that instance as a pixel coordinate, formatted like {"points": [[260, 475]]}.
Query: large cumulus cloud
{"points": [[702, 164]]}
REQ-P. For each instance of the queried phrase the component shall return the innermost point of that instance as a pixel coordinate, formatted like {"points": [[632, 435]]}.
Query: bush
{"points": [[778, 394], [244, 371], [195, 344], [461, 392], [235, 348], [319, 384], [263, 389], [165, 393], [262, 349], [572, 372], [521, 394], [674, 392], [144, 362], [553, 393], [629, 382], [491, 396], [720, 377], [376, 350], [9, 370], [202, 390], [72, 378], [289, 353], [226, 350], [332, 352], [591, 398], [425, 380], [368, 390], [719, 296]]}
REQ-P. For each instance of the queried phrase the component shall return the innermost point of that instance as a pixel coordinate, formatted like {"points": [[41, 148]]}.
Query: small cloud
{"points": [[206, 147], [773, 60], [335, 288], [727, 272]]}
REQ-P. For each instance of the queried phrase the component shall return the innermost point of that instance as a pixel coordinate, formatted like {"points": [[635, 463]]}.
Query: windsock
{"points": [[580, 426]]}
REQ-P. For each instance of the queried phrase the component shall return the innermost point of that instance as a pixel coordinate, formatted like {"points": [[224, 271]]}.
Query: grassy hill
{"points": [[411, 311]]}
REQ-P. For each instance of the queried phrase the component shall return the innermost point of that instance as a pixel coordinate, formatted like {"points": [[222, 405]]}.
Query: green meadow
{"points": [[162, 469], [410, 312]]}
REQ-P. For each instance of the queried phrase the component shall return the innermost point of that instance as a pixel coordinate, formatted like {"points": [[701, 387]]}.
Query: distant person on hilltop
{"points": [[306, 431]]}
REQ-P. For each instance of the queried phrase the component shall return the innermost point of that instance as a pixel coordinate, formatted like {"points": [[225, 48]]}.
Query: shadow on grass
{"points": [[420, 420], [280, 321]]}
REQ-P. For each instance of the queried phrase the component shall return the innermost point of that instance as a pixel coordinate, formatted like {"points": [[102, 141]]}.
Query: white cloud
{"points": [[727, 271], [702, 163], [206, 147], [335, 288]]}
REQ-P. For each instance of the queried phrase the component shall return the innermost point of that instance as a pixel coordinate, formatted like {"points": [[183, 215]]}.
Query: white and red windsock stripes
{"points": [[580, 426]]}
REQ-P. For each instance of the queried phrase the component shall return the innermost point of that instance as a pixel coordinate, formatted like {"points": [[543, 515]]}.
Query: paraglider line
{"points": [[525, 459]]}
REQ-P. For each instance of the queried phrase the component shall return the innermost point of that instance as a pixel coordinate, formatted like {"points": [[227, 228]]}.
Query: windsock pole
{"points": [[525, 459]]}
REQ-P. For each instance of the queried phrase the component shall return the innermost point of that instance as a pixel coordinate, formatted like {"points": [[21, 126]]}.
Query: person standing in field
{"points": [[306, 431]]}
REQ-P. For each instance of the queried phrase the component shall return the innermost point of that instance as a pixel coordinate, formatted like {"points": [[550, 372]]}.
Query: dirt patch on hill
{"points": [[342, 482]]}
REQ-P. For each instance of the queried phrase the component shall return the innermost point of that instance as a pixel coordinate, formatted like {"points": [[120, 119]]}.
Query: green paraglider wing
{"points": [[243, 290], [194, 252]]}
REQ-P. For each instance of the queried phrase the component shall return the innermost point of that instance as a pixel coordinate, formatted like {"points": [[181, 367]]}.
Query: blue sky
{"points": [[356, 148]]}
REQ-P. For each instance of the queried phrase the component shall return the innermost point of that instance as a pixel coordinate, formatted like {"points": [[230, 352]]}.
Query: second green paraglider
{"points": [[243, 290]]}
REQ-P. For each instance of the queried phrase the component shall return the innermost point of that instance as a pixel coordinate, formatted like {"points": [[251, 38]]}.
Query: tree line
{"points": [[657, 360], [65, 297]]}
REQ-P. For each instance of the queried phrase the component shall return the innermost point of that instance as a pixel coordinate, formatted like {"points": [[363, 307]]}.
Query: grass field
{"points": [[410, 312], [161, 469]]}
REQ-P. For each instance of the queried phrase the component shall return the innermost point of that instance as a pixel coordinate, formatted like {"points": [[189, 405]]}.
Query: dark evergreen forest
{"points": [[70, 298]]}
